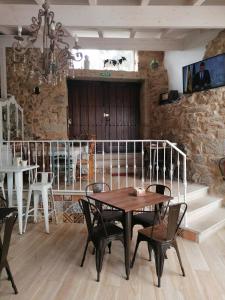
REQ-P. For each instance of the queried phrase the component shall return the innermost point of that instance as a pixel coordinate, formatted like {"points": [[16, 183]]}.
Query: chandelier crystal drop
{"points": [[52, 61]]}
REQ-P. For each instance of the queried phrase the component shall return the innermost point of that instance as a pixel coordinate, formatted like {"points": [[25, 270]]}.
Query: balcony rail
{"points": [[120, 163]]}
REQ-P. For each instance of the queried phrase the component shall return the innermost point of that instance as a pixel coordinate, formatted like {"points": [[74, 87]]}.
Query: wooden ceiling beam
{"points": [[113, 43], [109, 17]]}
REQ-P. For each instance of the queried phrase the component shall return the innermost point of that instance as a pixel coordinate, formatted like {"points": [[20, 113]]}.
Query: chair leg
{"points": [[150, 251], [10, 277], [27, 210], [135, 251], [53, 206], [36, 202], [99, 254], [84, 254], [110, 246], [159, 263], [179, 257], [45, 206]]}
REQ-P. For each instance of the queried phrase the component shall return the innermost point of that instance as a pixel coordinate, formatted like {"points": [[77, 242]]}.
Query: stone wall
{"points": [[46, 114], [198, 122]]}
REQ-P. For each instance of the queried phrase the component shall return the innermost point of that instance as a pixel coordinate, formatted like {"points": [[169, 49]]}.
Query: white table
{"points": [[18, 171]]}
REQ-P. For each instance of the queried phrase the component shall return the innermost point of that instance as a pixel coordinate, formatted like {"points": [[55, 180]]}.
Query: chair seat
{"points": [[112, 215], [112, 231], [145, 219], [39, 186], [159, 232]]}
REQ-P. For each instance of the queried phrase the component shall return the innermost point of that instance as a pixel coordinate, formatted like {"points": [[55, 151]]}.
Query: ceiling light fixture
{"points": [[53, 61]]}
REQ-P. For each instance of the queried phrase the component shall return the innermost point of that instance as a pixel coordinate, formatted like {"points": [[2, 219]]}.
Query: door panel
{"points": [[90, 100]]}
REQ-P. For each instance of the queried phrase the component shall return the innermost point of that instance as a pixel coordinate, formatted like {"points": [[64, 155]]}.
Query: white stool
{"points": [[2, 177], [42, 185]]}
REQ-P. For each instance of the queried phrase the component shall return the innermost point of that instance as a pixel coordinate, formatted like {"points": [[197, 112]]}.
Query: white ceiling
{"points": [[137, 24]]}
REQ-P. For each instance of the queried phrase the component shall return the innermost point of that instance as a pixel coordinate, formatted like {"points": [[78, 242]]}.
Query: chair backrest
{"points": [[44, 177], [175, 217], [159, 188], [88, 208], [9, 221], [97, 187]]}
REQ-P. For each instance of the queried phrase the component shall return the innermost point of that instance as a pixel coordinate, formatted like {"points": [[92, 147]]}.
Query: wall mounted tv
{"points": [[203, 75]]}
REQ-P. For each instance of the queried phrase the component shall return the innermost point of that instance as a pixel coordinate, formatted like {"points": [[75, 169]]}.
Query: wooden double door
{"points": [[107, 110]]}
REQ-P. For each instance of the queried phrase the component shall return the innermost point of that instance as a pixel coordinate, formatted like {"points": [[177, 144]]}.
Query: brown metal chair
{"points": [[150, 218], [163, 236], [8, 217], [101, 235]]}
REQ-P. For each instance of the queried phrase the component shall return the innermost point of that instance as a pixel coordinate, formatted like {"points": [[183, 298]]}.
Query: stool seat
{"points": [[39, 186]]}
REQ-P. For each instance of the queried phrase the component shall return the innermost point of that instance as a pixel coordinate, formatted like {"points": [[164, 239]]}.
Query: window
{"points": [[97, 57]]}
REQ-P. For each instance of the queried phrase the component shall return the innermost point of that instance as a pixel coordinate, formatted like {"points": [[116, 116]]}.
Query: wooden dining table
{"points": [[125, 200]]}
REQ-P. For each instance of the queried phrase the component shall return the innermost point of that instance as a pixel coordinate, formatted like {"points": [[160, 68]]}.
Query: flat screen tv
{"points": [[203, 75]]}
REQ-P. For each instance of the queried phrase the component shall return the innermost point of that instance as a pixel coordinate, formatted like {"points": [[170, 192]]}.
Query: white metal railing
{"points": [[120, 163]]}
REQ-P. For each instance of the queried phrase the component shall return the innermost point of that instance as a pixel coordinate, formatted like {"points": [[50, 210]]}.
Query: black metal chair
{"points": [[8, 217], [108, 213], [101, 235], [163, 236], [149, 218]]}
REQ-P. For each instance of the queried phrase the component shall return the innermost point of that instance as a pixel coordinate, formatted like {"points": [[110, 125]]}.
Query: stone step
{"points": [[206, 225], [194, 191], [201, 206]]}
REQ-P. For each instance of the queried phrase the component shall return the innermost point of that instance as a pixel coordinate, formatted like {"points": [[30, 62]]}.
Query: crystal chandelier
{"points": [[52, 62]]}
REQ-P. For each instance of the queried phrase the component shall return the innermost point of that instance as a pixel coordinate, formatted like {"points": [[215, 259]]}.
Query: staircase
{"points": [[205, 213]]}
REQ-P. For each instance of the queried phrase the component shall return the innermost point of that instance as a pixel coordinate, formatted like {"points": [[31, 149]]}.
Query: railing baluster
{"points": [[57, 155], [110, 167], [142, 164], [73, 159], [118, 164], [21, 150], [80, 159], [95, 161], [88, 161], [178, 175], [171, 169], [134, 164], [150, 163], [43, 157], [65, 165], [103, 162], [157, 162], [36, 158], [185, 186], [164, 163], [28, 159], [126, 167], [50, 157], [14, 149]]}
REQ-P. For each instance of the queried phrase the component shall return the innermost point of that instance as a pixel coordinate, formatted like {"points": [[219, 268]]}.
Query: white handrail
{"points": [[119, 162]]}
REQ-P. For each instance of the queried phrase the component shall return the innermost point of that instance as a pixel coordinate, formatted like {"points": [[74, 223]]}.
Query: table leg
{"points": [[19, 198], [10, 188], [127, 239]]}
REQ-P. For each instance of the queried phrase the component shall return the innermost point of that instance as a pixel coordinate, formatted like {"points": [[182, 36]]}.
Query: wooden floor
{"points": [[46, 267]]}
